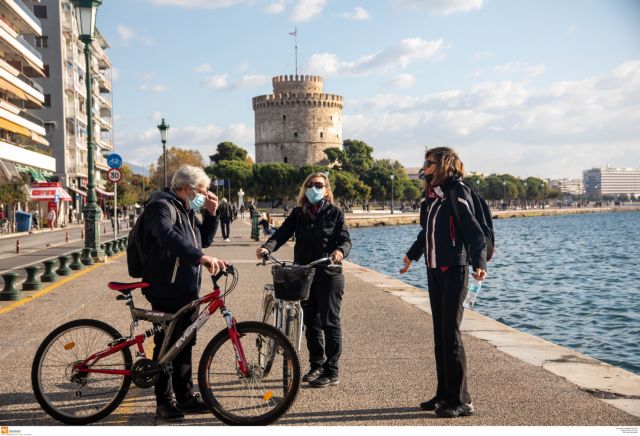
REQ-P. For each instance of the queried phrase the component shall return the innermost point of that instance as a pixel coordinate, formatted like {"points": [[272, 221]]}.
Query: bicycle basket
{"points": [[292, 283]]}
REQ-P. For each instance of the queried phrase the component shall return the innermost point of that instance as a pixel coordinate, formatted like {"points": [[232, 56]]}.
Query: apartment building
{"points": [[24, 151], [568, 186], [65, 113], [611, 181]]}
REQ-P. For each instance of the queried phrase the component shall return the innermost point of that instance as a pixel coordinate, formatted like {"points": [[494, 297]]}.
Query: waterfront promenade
{"points": [[387, 364]]}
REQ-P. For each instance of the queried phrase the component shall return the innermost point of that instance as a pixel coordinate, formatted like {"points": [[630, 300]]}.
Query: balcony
{"points": [[21, 17], [20, 46], [19, 84]]}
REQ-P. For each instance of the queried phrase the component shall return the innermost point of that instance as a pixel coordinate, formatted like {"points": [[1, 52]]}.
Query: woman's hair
{"points": [[191, 176], [448, 164], [303, 189]]}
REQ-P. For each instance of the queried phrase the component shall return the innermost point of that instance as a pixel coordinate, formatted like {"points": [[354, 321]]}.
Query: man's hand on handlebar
{"points": [[337, 256], [212, 264], [260, 253]]}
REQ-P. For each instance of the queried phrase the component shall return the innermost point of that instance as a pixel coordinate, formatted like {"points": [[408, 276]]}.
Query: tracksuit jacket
{"points": [[445, 241]]}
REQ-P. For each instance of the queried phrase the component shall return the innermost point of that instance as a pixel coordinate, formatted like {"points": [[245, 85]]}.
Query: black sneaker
{"points": [[169, 412], [455, 410], [193, 404], [324, 381], [433, 404], [312, 374]]}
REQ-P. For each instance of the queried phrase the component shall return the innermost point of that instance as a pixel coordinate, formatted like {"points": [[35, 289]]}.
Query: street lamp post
{"points": [[164, 130], [504, 193], [85, 11], [526, 194], [392, 178]]}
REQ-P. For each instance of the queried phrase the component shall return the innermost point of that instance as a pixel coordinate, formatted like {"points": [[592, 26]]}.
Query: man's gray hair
{"points": [[191, 176]]}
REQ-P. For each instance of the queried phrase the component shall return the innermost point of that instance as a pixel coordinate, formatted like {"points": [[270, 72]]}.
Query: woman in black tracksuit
{"points": [[450, 239], [320, 232]]}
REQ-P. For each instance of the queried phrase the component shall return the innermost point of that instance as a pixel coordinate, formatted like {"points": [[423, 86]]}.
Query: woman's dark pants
{"points": [[447, 290], [322, 322]]}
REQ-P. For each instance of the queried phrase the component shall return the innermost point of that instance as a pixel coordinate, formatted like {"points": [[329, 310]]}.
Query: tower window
{"points": [[286, 159], [284, 117], [321, 134], [295, 134]]}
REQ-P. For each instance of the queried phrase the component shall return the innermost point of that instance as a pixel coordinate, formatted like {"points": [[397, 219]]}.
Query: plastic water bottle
{"points": [[472, 293]]}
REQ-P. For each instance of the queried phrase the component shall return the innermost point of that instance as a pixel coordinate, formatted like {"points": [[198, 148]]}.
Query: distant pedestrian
{"points": [[242, 210], [226, 218], [51, 219], [235, 211], [454, 238]]}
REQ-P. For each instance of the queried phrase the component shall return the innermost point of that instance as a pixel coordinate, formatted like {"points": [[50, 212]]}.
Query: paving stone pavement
{"points": [[387, 366]]}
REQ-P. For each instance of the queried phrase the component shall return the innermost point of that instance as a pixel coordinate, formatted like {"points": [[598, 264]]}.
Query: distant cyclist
{"points": [[320, 231]]}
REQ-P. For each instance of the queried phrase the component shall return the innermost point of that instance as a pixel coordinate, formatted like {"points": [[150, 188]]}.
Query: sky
{"points": [[530, 87]]}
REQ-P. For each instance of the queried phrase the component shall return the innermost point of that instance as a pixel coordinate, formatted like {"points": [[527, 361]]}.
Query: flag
{"points": [[294, 33]]}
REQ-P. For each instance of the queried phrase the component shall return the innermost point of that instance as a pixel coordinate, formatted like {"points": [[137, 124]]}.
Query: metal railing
{"points": [[27, 11], [29, 47], [30, 82]]}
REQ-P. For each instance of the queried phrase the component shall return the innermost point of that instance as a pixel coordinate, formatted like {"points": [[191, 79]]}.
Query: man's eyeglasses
{"points": [[317, 185], [428, 163]]}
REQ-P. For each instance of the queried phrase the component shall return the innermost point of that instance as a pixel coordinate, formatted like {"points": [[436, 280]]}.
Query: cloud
{"points": [[359, 14], [440, 7], [221, 82], [390, 59], [202, 4], [511, 126], [156, 89], [402, 80], [306, 10], [482, 55], [142, 146], [275, 7], [520, 67], [128, 36], [573, 28], [204, 68]]}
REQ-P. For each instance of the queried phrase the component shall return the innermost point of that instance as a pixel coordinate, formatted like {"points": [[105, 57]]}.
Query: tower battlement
{"points": [[297, 83]]}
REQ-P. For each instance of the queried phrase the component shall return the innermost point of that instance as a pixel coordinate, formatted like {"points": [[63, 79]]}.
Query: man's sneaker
{"points": [[227, 240], [169, 412], [193, 404], [455, 410], [324, 380], [432, 404], [312, 374]]}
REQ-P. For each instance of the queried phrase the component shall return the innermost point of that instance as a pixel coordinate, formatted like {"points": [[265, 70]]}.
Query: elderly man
{"points": [[173, 238]]}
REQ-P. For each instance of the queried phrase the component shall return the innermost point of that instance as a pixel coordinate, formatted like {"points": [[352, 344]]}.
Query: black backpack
{"points": [[482, 214], [136, 257]]}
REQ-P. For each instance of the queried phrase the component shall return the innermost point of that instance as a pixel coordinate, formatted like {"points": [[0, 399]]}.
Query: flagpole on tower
{"points": [[295, 35]]}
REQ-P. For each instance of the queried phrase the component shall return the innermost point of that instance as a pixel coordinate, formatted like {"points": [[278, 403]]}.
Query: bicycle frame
{"points": [[213, 301]]}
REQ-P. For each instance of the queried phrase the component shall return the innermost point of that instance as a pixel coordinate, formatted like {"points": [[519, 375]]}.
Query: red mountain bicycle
{"points": [[83, 370]]}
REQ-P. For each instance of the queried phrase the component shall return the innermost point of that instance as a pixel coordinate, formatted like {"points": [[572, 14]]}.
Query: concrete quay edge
{"points": [[615, 386]]}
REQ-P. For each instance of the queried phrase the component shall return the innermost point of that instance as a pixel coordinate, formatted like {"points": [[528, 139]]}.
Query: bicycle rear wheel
{"points": [[260, 398], [74, 397]]}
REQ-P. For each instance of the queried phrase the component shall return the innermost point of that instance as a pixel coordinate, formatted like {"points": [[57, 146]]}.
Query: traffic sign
{"points": [[114, 160], [114, 175]]}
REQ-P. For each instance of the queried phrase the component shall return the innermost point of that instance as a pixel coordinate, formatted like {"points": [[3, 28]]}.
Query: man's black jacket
{"points": [[315, 237], [444, 240], [173, 249]]}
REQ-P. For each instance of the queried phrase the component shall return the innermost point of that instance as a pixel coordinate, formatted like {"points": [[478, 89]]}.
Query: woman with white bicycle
{"points": [[320, 231]]}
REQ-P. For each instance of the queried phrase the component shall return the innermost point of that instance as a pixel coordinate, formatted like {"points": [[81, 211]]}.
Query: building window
{"points": [[49, 126], [286, 159], [40, 11], [295, 134], [284, 118], [321, 134], [47, 100], [46, 70], [42, 41]]}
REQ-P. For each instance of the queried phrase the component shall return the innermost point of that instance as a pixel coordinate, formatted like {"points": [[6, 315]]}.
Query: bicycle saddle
{"points": [[118, 286]]}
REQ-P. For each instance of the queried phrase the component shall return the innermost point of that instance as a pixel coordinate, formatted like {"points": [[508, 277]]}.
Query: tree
{"points": [[228, 151], [176, 157], [274, 181], [238, 173], [347, 187], [129, 188], [12, 193]]}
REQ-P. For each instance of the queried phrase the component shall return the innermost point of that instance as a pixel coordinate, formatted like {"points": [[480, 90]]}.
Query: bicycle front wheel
{"points": [[260, 397], [75, 397]]}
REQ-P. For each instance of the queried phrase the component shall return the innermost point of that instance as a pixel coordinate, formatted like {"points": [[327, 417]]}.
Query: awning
{"points": [[5, 84], [8, 169], [103, 192], [77, 191], [15, 128], [46, 193], [39, 139], [35, 173]]}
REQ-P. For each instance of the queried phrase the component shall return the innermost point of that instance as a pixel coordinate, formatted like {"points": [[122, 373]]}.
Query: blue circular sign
{"points": [[114, 160]]}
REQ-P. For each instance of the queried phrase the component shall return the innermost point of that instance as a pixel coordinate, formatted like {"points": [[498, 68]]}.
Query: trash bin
{"points": [[23, 221]]}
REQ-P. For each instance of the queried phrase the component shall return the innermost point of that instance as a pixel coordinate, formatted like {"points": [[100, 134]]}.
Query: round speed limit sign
{"points": [[114, 175]]}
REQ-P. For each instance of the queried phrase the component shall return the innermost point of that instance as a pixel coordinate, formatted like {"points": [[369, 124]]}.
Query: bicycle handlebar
{"points": [[328, 261]]}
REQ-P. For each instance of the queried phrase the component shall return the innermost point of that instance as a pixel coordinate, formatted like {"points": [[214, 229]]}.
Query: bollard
{"points": [[76, 264], [114, 246], [86, 256], [107, 249], [49, 274], [63, 270], [255, 230], [9, 292], [18, 246], [122, 246], [66, 236], [32, 283]]}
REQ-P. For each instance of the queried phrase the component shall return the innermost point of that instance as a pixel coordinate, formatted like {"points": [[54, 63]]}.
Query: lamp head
{"points": [[86, 11]]}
